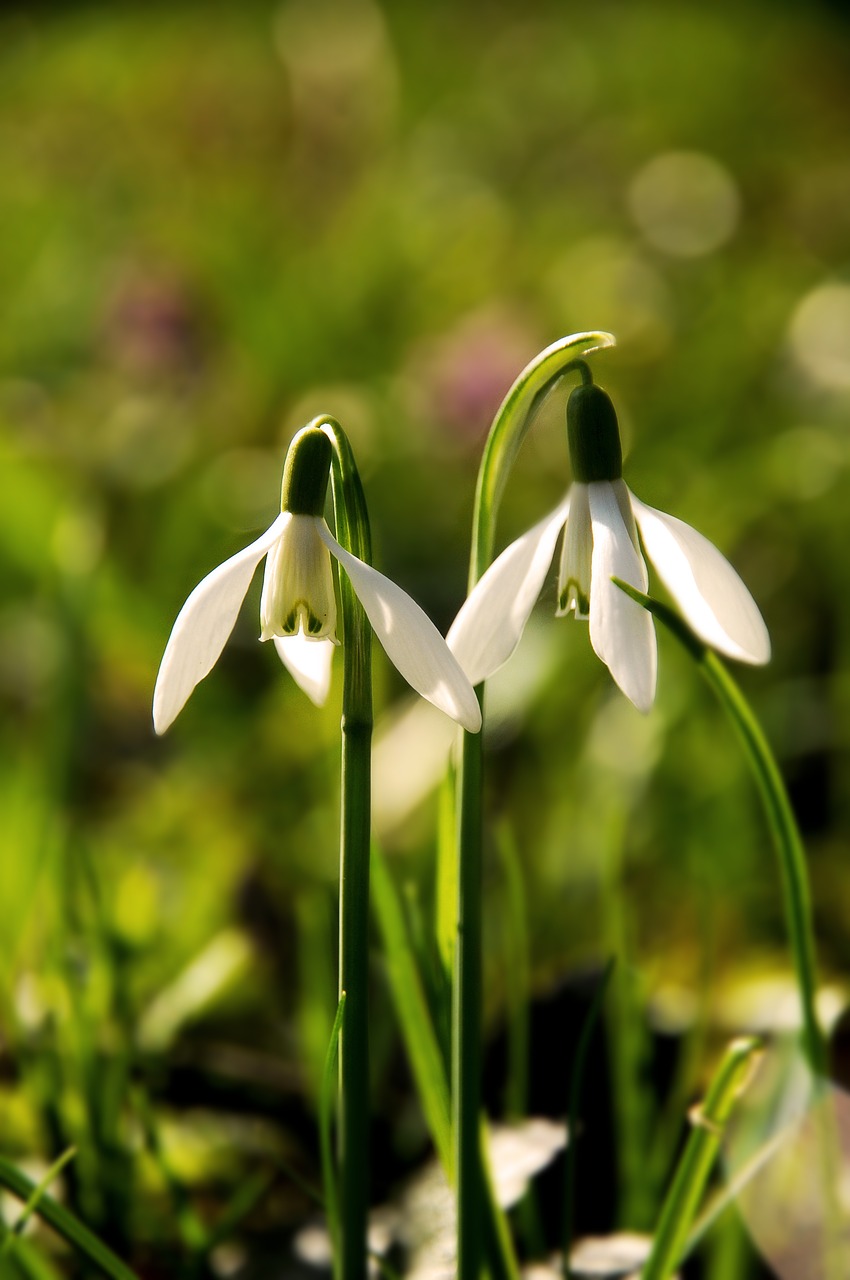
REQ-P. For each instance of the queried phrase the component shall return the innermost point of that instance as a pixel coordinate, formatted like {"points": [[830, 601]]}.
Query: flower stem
{"points": [[780, 817], [466, 1013], [506, 435], [789, 846], [352, 530]]}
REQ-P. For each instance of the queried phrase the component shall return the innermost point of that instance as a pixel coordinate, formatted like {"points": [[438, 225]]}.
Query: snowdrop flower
{"points": [[601, 519], [298, 605]]}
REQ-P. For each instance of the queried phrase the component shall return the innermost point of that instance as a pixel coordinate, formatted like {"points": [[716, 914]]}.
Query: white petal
{"points": [[203, 626], [412, 642], [309, 663], [621, 632], [703, 583], [576, 555], [491, 621]]}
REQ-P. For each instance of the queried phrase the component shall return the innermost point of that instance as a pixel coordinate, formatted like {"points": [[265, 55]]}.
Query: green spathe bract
{"points": [[306, 472], [594, 435]]}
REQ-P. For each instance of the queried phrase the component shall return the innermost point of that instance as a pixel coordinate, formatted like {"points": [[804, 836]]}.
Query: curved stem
{"points": [[512, 420], [352, 530], [789, 846], [509, 427], [780, 817]]}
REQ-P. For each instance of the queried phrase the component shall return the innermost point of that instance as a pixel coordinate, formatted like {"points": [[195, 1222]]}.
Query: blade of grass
{"points": [[517, 968], [576, 1087], [517, 975], [326, 1109], [498, 1244], [634, 1106], [25, 1262], [65, 1223], [191, 1229], [691, 1175], [426, 1061], [32, 1203], [436, 982], [246, 1198]]}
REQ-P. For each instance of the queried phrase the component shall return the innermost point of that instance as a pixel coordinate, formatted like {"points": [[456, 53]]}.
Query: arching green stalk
{"points": [[352, 531], [780, 818], [512, 420], [506, 435]]}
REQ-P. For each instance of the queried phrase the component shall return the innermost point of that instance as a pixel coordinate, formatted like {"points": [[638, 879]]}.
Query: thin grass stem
{"points": [[576, 1089], [64, 1223], [329, 1175]]}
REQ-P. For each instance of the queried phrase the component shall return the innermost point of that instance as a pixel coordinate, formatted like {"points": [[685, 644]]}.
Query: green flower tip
{"points": [[305, 473], [594, 436]]}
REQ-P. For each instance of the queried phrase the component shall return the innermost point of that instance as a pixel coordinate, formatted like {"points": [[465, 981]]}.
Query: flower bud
{"points": [[305, 473], [593, 435]]}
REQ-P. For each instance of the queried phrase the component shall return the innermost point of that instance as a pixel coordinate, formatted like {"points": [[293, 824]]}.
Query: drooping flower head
{"points": [[604, 526], [298, 605]]}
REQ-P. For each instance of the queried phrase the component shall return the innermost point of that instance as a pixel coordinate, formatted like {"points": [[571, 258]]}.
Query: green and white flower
{"points": [[602, 519], [298, 608]]}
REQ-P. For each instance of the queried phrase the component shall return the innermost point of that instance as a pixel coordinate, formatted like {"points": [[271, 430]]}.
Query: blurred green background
{"points": [[221, 219]]}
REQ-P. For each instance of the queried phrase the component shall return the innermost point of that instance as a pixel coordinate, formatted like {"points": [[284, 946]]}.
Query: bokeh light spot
{"points": [[606, 284], [685, 203], [820, 335], [805, 462]]}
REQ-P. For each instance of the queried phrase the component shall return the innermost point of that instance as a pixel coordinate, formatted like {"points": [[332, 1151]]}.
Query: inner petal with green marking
{"points": [[298, 587]]}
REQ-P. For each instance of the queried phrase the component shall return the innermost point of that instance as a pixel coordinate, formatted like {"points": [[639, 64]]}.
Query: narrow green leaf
{"points": [[517, 975], [326, 1110], [64, 1223], [576, 1088], [499, 1244], [192, 1231], [25, 1261], [414, 1016], [247, 1196], [691, 1175], [32, 1203]]}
